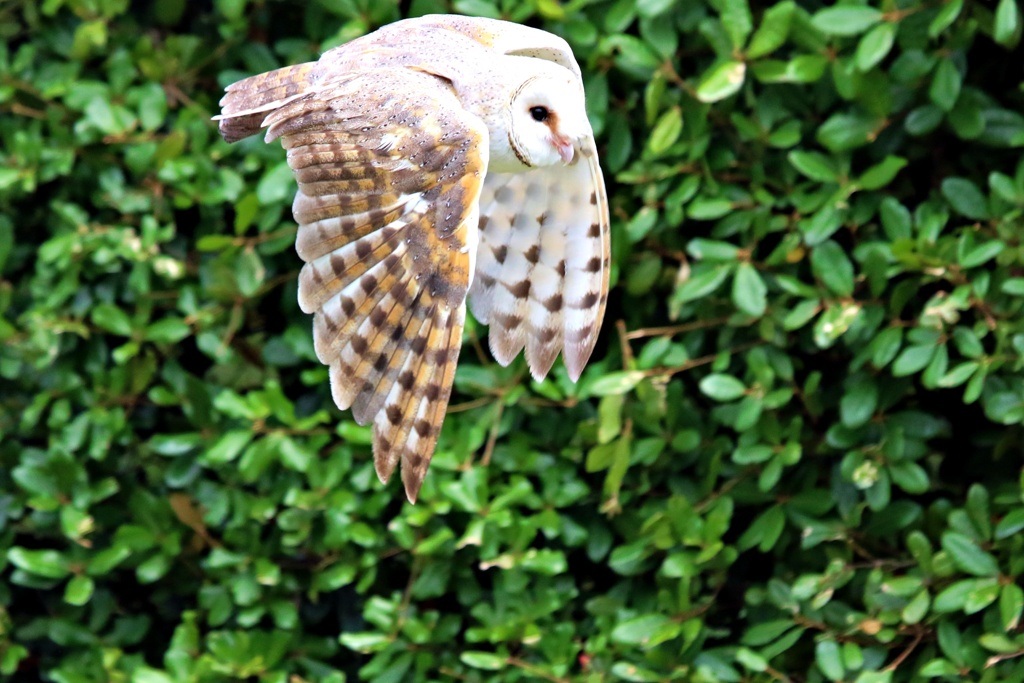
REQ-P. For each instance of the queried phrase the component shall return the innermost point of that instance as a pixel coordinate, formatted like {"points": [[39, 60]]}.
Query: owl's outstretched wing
{"points": [[542, 268], [390, 169]]}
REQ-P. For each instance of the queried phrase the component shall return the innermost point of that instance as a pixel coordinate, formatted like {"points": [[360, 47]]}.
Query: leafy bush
{"points": [[796, 455]]}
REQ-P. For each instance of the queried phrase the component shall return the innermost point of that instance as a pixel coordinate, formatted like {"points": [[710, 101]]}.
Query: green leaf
{"points": [[923, 120], [48, 564], [846, 20], [487, 661], [822, 225], [982, 596], [829, 660], [749, 292], [882, 173], [145, 674], [896, 219], [721, 81], [79, 590], [112, 319], [843, 132], [713, 250], [982, 253], [643, 630], [170, 330], [752, 454], [228, 446], [1011, 604], [773, 31], [250, 272], [913, 359], [814, 165], [708, 208], [214, 242], [615, 383], [1011, 524], [634, 56], [909, 476], [801, 314], [6, 234], [875, 46], [834, 323], [800, 69], [703, 283], [945, 18], [858, 403], [722, 387], [954, 597], [277, 185], [653, 8], [366, 641], [965, 198], [832, 266], [917, 609], [1006, 29], [736, 20], [1001, 184], [968, 556], [959, 374], [945, 88], [666, 131]]}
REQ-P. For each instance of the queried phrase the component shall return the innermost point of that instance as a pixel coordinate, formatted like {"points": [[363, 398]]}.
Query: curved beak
{"points": [[565, 148]]}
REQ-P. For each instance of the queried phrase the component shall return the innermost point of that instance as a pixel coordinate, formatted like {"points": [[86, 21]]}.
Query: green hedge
{"points": [[795, 456]]}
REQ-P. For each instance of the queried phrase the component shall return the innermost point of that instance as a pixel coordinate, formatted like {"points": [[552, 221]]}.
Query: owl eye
{"points": [[539, 113]]}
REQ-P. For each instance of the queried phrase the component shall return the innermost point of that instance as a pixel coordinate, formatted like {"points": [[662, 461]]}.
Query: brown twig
{"points": [[481, 355], [918, 636], [536, 671], [995, 659], [697, 362], [492, 436], [670, 330], [627, 352], [470, 405]]}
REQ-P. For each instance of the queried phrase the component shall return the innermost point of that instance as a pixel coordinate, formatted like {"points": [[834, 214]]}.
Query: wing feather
{"points": [[543, 263], [389, 243], [246, 102], [506, 37]]}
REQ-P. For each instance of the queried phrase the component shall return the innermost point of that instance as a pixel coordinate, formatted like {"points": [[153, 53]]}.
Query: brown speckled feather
{"points": [[386, 208], [245, 104]]}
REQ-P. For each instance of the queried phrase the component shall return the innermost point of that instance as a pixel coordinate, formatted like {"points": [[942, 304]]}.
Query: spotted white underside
{"points": [[542, 267]]}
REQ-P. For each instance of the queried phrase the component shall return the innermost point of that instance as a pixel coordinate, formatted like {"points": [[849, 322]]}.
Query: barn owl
{"points": [[439, 160]]}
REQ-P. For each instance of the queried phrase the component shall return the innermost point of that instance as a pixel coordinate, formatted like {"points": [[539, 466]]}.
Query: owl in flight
{"points": [[438, 159]]}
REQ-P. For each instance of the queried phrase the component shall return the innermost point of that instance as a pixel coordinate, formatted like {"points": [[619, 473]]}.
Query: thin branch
{"points": [[670, 330], [906, 653], [697, 362], [470, 405], [492, 437], [627, 352], [536, 671], [995, 659]]}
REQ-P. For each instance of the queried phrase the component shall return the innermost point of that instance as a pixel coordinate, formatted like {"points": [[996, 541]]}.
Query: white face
{"points": [[548, 120]]}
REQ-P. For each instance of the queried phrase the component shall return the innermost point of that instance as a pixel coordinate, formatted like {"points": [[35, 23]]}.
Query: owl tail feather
{"points": [[248, 102]]}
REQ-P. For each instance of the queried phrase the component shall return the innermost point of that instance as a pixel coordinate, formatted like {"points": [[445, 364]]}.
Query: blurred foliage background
{"points": [[795, 456]]}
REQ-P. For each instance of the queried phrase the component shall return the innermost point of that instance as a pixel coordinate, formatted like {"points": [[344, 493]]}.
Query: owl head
{"points": [[547, 119]]}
